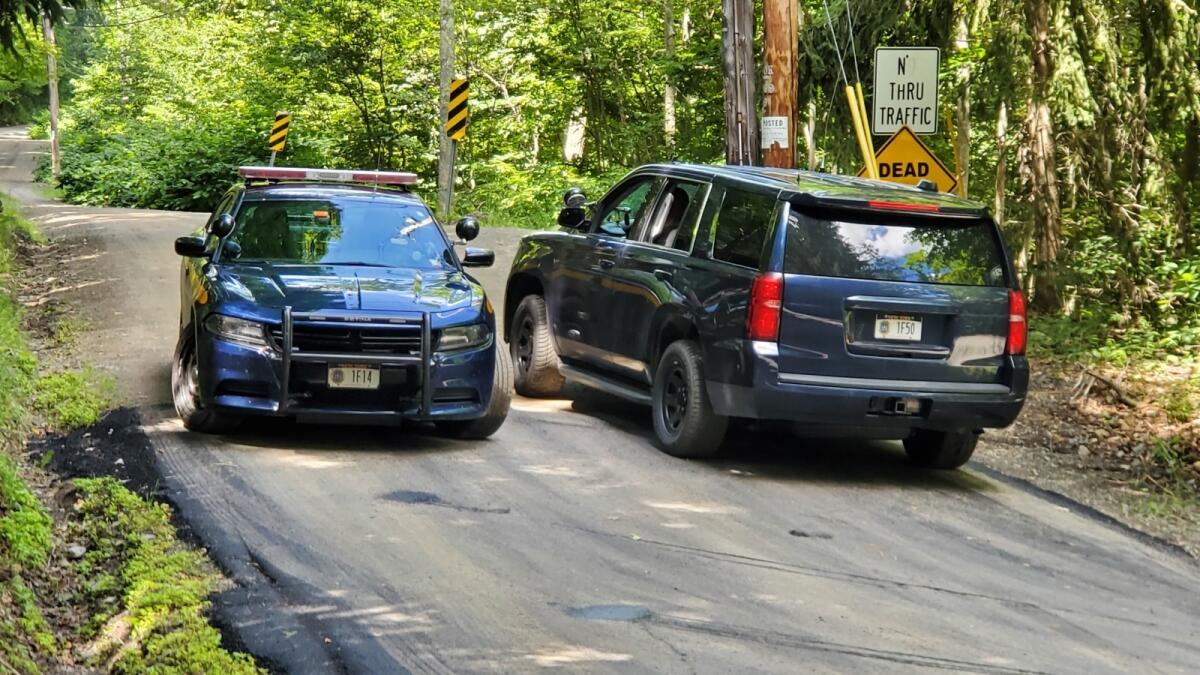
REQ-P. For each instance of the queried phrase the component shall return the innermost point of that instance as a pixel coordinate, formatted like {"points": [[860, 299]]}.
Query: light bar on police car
{"points": [[327, 175]]}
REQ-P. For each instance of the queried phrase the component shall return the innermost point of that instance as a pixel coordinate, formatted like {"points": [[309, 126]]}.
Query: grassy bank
{"points": [[101, 579]]}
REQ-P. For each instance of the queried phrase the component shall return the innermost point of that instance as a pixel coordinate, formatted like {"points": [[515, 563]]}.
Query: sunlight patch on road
{"points": [[538, 405], [685, 507], [559, 471], [552, 658]]}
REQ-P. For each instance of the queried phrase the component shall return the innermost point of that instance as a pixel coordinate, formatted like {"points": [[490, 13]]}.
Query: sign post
{"points": [[905, 159], [457, 116], [906, 90], [279, 133]]}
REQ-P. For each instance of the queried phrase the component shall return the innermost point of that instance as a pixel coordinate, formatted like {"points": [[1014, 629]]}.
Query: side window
{"points": [[673, 224], [222, 208], [743, 224], [622, 217]]}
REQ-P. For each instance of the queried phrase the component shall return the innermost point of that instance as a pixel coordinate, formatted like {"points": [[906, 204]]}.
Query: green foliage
{"points": [[133, 551], [75, 399], [1182, 401], [25, 527]]}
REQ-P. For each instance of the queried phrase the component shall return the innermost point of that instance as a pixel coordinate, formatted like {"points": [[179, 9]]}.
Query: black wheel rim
{"points": [[674, 397], [524, 345]]}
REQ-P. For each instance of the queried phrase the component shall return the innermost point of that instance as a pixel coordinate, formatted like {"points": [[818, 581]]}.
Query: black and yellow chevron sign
{"points": [[456, 116], [279, 132]]}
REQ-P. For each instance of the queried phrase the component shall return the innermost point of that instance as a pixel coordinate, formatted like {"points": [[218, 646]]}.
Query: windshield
{"points": [[930, 250], [364, 232]]}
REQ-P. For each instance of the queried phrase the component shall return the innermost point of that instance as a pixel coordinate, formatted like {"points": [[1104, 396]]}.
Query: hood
{"points": [[314, 288]]}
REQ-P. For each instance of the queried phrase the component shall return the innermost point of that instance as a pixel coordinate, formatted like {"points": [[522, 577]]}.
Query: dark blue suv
{"points": [[841, 305], [334, 295]]}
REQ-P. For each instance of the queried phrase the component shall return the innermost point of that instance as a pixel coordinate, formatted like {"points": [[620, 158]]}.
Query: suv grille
{"points": [[337, 340]]}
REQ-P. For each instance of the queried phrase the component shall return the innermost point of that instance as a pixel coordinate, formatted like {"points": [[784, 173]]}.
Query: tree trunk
{"points": [[445, 145], [741, 96], [962, 139], [1041, 166], [52, 82], [1001, 160], [669, 90]]}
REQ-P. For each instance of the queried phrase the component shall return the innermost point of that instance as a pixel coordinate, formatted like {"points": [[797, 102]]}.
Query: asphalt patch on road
{"points": [[430, 499], [114, 447]]}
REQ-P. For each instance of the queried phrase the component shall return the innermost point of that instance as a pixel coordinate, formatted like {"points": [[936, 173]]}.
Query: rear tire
{"points": [[940, 449], [684, 422], [185, 391], [535, 363], [497, 410]]}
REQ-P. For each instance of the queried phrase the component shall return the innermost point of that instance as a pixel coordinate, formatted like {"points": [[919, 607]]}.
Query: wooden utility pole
{"points": [[52, 79], [741, 97], [446, 147], [780, 94]]}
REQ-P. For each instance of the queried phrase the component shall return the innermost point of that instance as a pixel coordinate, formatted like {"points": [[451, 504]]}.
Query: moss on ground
{"points": [[133, 550], [73, 399]]}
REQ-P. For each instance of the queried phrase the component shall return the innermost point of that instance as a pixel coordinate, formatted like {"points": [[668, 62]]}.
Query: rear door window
{"points": [[920, 250], [742, 227], [673, 224]]}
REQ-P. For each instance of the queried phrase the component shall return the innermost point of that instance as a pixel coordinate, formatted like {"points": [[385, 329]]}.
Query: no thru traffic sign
{"points": [[906, 89], [905, 159]]}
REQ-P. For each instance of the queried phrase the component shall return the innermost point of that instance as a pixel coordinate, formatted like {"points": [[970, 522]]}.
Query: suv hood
{"points": [[313, 288]]}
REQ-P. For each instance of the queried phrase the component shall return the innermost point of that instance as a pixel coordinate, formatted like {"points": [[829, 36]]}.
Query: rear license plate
{"points": [[353, 377], [891, 327]]}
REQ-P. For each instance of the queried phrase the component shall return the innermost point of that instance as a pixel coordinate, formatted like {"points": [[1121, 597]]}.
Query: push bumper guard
{"points": [[290, 356]]}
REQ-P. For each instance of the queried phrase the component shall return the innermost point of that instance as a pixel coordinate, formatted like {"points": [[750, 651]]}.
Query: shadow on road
{"points": [[281, 434], [774, 453]]}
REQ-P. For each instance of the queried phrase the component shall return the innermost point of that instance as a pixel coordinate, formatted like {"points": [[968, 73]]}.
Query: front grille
{"points": [[400, 341]]}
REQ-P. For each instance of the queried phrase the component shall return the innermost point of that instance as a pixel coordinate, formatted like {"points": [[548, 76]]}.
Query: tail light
{"points": [[1018, 326], [766, 303]]}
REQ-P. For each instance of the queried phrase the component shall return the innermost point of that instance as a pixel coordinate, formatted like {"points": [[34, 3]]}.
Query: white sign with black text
{"points": [[906, 89]]}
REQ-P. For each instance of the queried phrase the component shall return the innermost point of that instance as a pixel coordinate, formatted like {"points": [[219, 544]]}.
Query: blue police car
{"points": [[335, 296]]}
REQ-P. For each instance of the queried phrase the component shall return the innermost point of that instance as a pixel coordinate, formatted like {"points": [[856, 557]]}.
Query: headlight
{"points": [[462, 337], [237, 330]]}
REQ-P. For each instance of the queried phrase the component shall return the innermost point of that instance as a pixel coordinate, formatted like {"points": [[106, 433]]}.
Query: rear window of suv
{"points": [[925, 250], [743, 223]]}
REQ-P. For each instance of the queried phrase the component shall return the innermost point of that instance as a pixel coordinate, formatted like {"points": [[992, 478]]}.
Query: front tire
{"points": [[940, 449], [497, 410], [684, 422], [185, 391], [534, 361]]}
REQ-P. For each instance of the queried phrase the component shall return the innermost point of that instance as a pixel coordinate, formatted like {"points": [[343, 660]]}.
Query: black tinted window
{"points": [[742, 227], [927, 251]]}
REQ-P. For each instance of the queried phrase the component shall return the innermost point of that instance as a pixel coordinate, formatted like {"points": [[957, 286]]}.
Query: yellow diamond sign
{"points": [[905, 159]]}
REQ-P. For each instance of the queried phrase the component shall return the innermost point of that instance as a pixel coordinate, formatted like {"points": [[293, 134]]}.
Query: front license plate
{"points": [[353, 377], [905, 328]]}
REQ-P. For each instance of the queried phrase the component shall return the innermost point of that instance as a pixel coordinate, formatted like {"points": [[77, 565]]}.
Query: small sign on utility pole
{"points": [[906, 89]]}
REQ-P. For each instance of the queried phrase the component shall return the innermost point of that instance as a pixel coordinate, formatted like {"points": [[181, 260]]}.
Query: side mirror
{"points": [[467, 229], [573, 218], [222, 227], [574, 198], [191, 247], [478, 257]]}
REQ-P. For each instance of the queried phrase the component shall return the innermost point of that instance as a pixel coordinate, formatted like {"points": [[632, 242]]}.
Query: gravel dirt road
{"points": [[569, 542]]}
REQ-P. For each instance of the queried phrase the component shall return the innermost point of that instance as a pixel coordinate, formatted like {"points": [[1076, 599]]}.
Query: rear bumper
{"points": [[870, 403], [263, 381]]}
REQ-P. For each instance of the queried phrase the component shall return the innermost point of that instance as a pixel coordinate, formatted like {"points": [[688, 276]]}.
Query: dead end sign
{"points": [[905, 159]]}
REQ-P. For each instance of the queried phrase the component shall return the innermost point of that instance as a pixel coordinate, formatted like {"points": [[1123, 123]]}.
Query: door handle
{"points": [[607, 263], [663, 275]]}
